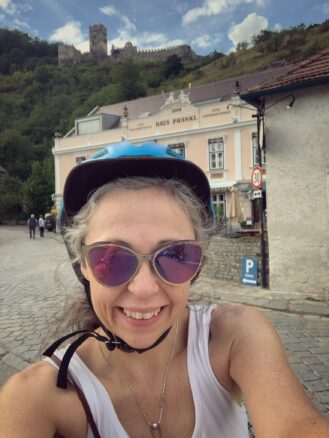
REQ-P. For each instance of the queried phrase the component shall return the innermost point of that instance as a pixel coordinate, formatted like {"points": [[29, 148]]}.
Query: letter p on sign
{"points": [[249, 265]]}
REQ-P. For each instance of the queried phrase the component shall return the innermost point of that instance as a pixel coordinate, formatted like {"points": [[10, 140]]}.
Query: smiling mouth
{"points": [[141, 315]]}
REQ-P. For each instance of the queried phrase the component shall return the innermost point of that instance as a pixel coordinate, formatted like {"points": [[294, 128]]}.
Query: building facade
{"points": [[297, 154], [209, 125]]}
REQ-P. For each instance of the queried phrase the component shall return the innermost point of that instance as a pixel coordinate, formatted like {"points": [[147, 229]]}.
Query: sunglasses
{"points": [[115, 265]]}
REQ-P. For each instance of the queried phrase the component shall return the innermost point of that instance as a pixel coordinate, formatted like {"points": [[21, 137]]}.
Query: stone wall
{"points": [[68, 55], [98, 41], [225, 257], [130, 52]]}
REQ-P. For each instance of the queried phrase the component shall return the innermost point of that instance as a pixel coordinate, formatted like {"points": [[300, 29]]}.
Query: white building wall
{"points": [[297, 191]]}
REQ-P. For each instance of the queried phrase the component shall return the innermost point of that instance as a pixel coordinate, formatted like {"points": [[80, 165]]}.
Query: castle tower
{"points": [[98, 41]]}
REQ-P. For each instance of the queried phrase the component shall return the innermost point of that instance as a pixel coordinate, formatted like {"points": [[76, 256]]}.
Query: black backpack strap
{"points": [[83, 400]]}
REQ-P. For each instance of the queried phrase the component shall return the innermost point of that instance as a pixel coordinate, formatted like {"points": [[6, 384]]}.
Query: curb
{"points": [[290, 302]]}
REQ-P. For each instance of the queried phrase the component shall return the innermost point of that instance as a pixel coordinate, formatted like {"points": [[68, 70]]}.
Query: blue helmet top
{"points": [[125, 159]]}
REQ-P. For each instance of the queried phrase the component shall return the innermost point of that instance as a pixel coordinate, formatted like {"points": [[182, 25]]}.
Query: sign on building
{"points": [[249, 271]]}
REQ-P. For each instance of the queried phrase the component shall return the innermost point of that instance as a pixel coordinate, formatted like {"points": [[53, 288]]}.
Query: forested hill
{"points": [[37, 98]]}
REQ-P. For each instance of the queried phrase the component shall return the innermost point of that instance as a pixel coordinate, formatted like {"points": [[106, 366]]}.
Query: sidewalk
{"points": [[290, 302]]}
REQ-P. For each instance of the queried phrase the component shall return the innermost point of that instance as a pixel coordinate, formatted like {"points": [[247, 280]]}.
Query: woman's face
{"points": [[143, 220]]}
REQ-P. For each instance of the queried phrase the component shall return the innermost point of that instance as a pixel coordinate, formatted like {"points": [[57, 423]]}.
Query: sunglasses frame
{"points": [[150, 257]]}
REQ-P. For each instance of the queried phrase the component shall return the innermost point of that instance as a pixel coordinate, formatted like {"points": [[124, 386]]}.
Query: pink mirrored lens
{"points": [[112, 265], [179, 262]]}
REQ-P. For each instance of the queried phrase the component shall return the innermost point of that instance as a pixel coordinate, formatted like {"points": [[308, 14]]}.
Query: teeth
{"points": [[139, 315]]}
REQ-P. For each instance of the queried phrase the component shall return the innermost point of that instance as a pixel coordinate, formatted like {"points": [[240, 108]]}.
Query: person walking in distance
{"points": [[41, 225], [32, 223]]}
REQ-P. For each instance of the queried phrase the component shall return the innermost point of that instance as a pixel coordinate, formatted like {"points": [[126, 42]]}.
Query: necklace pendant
{"points": [[155, 426]]}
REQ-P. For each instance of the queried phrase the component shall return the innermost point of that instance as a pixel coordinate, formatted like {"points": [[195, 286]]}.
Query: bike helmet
{"points": [[125, 159]]}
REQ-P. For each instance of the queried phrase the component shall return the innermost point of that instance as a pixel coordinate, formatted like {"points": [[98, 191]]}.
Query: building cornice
{"points": [[158, 137]]}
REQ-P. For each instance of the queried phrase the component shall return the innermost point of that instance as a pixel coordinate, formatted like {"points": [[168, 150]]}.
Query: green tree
{"points": [[16, 153], [39, 187], [10, 197], [128, 81], [173, 66]]}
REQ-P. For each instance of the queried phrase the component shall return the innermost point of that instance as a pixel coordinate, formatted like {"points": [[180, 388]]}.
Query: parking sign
{"points": [[249, 271]]}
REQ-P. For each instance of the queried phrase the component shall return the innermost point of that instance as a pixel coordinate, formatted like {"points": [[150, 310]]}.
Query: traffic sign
{"points": [[257, 177], [249, 271], [257, 194]]}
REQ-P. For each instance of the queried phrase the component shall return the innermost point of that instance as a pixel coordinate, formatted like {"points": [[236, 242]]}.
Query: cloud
{"points": [[325, 8], [7, 6], [215, 7], [109, 10], [128, 25], [20, 24], [250, 26], [145, 40], [70, 33], [277, 27], [206, 41]]}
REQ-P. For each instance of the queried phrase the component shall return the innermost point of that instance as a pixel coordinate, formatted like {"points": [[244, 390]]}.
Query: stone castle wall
{"points": [[130, 52], [68, 55], [98, 41]]}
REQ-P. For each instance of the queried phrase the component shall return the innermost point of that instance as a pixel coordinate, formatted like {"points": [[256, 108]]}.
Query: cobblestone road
{"points": [[30, 296]]}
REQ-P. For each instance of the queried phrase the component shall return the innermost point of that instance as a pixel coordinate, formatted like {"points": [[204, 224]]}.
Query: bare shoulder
{"points": [[258, 364], [31, 404], [230, 321]]}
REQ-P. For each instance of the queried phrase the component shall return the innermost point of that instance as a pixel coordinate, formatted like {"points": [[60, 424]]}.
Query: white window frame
{"points": [[219, 199], [216, 156], [254, 147], [178, 147]]}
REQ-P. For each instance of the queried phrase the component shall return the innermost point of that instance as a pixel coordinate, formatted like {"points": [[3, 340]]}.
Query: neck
{"points": [[151, 362]]}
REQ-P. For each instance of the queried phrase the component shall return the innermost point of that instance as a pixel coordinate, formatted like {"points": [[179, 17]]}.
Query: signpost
{"points": [[257, 181]]}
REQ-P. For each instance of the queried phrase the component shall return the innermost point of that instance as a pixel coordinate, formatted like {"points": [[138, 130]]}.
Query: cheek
{"points": [[179, 294]]}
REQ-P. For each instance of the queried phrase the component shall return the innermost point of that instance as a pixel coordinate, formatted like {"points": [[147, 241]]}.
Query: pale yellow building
{"points": [[209, 124]]}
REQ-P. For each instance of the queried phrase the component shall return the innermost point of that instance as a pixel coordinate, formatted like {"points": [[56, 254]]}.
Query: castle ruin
{"points": [[69, 55]]}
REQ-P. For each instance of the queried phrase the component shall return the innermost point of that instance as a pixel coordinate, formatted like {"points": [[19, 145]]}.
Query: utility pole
{"points": [[260, 131]]}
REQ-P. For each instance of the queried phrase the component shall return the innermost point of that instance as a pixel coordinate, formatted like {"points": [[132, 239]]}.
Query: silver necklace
{"points": [[153, 425]]}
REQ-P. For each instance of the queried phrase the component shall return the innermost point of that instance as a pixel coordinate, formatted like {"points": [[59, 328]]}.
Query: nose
{"points": [[145, 282]]}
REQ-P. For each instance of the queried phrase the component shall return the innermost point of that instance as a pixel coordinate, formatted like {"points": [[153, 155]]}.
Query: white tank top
{"points": [[216, 413]]}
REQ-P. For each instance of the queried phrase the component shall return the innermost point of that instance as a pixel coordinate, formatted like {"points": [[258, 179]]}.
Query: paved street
{"points": [[30, 295]]}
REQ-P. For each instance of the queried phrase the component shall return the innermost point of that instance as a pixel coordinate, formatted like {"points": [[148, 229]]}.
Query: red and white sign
{"points": [[257, 177]]}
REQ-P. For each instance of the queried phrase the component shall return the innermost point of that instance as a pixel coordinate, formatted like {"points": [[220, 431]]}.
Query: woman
{"points": [[146, 364]]}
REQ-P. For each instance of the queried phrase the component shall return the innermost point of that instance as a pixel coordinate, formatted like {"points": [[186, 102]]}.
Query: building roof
{"points": [[198, 95], [309, 72]]}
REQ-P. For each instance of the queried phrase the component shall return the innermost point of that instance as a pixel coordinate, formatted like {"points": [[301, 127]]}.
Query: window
{"points": [[88, 126], [216, 153], [218, 200], [79, 160], [254, 151], [179, 148]]}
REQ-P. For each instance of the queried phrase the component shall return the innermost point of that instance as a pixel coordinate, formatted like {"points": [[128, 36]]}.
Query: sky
{"points": [[206, 25]]}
